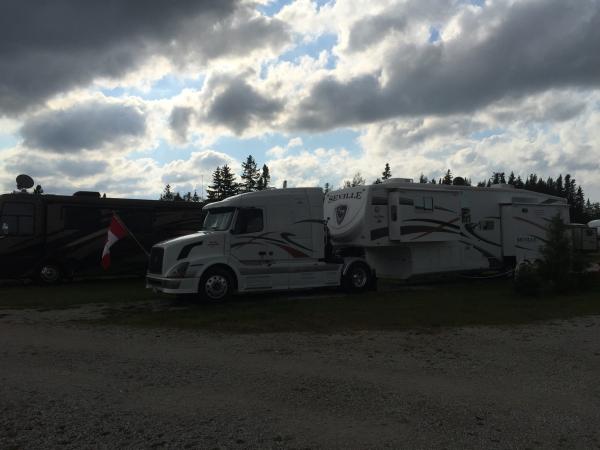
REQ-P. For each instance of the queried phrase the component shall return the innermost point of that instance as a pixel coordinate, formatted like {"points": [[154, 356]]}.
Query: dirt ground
{"points": [[66, 384]]}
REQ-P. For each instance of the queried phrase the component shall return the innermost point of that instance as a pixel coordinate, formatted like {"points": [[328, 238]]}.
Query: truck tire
{"points": [[358, 278], [216, 285], [49, 274]]}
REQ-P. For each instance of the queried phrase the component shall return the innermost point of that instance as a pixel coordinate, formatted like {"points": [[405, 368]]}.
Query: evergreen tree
{"points": [[250, 175], [357, 180], [511, 178], [187, 197], [422, 178], [447, 178], [215, 190], [387, 173], [195, 197], [177, 197], [167, 193], [38, 190], [377, 181], [228, 184], [326, 188], [264, 179], [557, 255]]}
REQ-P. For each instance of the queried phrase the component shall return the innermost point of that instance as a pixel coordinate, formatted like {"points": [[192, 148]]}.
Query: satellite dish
{"points": [[24, 182]]}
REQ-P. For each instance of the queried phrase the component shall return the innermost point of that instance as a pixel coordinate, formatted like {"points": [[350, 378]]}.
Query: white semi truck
{"points": [[295, 238], [258, 241]]}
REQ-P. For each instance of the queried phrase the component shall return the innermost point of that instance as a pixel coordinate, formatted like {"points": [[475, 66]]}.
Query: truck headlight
{"points": [[178, 271]]}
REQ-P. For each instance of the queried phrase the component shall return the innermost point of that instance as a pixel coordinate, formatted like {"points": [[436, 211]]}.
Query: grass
{"points": [[492, 302], [74, 294]]}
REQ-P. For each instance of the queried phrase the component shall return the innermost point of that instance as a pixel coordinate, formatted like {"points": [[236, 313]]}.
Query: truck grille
{"points": [[156, 260]]}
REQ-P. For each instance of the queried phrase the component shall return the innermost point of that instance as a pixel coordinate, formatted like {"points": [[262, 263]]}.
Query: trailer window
{"points": [[17, 219], [249, 220], [426, 205], [466, 215]]}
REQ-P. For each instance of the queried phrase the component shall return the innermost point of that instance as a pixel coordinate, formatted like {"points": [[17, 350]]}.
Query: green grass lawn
{"points": [[73, 294], [429, 306]]}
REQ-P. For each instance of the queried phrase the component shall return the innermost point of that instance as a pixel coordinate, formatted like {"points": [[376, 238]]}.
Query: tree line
{"points": [[225, 184]]}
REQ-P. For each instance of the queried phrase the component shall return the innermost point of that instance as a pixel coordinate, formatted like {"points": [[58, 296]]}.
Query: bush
{"points": [[527, 279]]}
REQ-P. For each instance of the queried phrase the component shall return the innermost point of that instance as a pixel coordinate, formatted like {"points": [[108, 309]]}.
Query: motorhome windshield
{"points": [[218, 219]]}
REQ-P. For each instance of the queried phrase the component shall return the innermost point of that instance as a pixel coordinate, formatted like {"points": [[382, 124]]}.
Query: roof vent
{"points": [[87, 194]]}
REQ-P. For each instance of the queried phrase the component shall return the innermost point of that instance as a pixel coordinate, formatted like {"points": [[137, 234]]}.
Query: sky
{"points": [[124, 97]]}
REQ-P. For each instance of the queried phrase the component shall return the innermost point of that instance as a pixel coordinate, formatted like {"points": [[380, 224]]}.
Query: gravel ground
{"points": [[78, 386]]}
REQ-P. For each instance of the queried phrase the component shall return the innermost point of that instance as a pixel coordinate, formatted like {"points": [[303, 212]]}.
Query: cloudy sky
{"points": [[124, 97]]}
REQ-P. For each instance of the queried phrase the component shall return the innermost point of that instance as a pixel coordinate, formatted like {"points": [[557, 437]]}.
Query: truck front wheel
{"points": [[216, 285], [358, 278]]}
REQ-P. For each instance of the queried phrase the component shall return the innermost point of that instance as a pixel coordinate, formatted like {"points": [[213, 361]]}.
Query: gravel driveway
{"points": [[82, 386]]}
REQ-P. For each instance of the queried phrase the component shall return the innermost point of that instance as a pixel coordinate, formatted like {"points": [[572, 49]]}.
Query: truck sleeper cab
{"points": [[270, 240]]}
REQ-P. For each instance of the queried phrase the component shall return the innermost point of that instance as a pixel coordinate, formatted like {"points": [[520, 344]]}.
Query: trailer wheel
{"points": [[50, 274], [216, 285], [357, 278]]}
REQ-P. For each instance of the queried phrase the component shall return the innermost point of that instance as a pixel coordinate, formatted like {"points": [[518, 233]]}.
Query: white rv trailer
{"points": [[407, 229], [258, 241], [276, 239]]}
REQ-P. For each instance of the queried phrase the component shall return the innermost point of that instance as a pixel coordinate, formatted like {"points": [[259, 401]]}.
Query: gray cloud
{"points": [[50, 47], [239, 105], [536, 45], [179, 121], [85, 126]]}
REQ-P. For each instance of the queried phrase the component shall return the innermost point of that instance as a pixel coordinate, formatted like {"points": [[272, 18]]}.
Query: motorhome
{"points": [[283, 238], [259, 241], [52, 237], [406, 229]]}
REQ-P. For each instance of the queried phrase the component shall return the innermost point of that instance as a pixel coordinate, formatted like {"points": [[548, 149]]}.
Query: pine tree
{"points": [[229, 186], [377, 181], [187, 196], [250, 175], [422, 178], [195, 197], [326, 188], [447, 178], [167, 193], [215, 190], [177, 197], [511, 178], [387, 173], [264, 179], [38, 190]]}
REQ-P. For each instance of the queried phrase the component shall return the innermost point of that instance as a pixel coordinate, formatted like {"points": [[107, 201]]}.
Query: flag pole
{"points": [[130, 233]]}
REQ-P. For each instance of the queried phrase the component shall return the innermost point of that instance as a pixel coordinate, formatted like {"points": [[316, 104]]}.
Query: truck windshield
{"points": [[218, 219]]}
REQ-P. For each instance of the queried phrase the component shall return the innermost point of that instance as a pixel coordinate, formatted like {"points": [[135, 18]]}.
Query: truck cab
{"points": [[269, 240]]}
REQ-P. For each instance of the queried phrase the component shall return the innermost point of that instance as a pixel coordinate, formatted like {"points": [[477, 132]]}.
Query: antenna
{"points": [[284, 184], [24, 182]]}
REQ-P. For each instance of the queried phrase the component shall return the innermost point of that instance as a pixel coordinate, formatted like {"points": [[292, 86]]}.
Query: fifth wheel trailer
{"points": [[276, 239], [58, 236], [406, 229]]}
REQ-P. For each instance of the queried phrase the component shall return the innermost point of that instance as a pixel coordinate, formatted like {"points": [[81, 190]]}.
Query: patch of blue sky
{"points": [[312, 49], [240, 148], [8, 141], [164, 153], [273, 7], [483, 134], [434, 34], [166, 87], [337, 139]]}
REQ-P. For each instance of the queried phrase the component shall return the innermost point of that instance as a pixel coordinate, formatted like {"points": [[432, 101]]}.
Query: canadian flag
{"points": [[116, 231]]}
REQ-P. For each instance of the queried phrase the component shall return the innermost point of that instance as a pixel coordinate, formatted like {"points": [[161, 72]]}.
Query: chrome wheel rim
{"points": [[50, 274], [216, 287], [359, 277]]}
